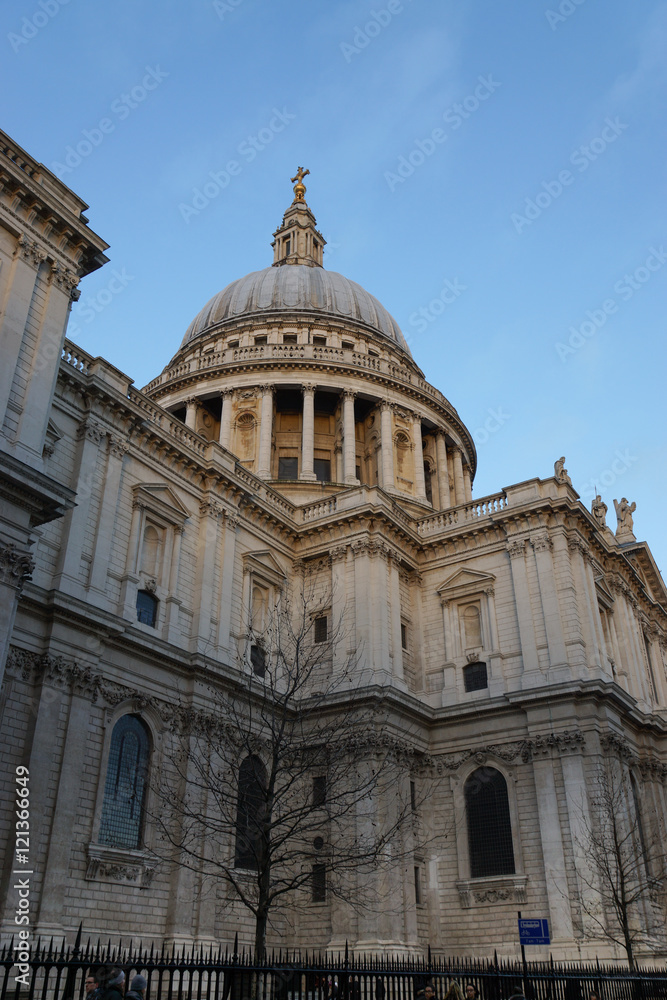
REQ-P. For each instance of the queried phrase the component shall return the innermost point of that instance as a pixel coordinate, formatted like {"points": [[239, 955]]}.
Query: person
{"points": [[429, 992], [90, 983], [137, 989], [355, 991], [110, 983], [517, 993], [472, 993], [379, 988]]}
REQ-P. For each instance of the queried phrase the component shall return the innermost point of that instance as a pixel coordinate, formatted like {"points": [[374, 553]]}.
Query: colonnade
{"points": [[453, 477]]}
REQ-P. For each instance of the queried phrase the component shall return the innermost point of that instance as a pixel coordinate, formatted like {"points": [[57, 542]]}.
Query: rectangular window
{"points": [[418, 885], [288, 468], [474, 677], [319, 884], [348, 345], [233, 343], [260, 340], [319, 791], [413, 796], [287, 245], [404, 635], [321, 629], [322, 469], [258, 660], [289, 338], [320, 341]]}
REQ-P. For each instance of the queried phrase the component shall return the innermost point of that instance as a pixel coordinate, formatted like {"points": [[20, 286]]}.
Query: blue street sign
{"points": [[534, 932]]}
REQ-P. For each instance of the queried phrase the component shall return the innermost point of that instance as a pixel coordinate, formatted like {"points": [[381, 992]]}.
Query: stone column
{"points": [[27, 259], [128, 589], [191, 407], [576, 796], [467, 483], [420, 482], [395, 618], [387, 447], [349, 441], [523, 610], [558, 898], [67, 576], [459, 487], [226, 398], [307, 434], [209, 514], [265, 433], [56, 868], [542, 547], [341, 626], [45, 360], [106, 521], [227, 582], [173, 601], [16, 567], [443, 473]]}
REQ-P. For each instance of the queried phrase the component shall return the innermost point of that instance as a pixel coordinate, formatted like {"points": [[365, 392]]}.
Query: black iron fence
{"points": [[45, 973]]}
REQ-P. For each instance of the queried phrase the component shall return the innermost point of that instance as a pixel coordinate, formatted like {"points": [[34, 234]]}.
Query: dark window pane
{"points": [[258, 660], [321, 629], [404, 635], [474, 677], [418, 885], [319, 884], [489, 826], [288, 468], [146, 608], [124, 788], [320, 341], [322, 468], [250, 814], [319, 791], [428, 483], [413, 796]]}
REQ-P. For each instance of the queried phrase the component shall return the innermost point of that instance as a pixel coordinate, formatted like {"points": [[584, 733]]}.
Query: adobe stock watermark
{"points": [[222, 7], [454, 116], [449, 293], [363, 36], [566, 8], [121, 108], [88, 309], [622, 461], [581, 158], [218, 180], [496, 419], [32, 25], [625, 288]]}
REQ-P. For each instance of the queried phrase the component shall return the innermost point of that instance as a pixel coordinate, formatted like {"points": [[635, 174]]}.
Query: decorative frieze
{"points": [[113, 864], [487, 891], [524, 750]]}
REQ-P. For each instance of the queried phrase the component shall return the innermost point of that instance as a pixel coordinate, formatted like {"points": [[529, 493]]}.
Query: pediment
{"points": [[161, 500], [264, 562], [604, 594], [466, 581]]}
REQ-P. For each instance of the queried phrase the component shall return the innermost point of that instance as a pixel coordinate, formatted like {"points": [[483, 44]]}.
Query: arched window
{"points": [[127, 770], [428, 482], [250, 813], [146, 607], [489, 826]]}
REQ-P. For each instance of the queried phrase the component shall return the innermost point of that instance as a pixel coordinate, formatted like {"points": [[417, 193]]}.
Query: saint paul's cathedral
{"points": [[517, 641]]}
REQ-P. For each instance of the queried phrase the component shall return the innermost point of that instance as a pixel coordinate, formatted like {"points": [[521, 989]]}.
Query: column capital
{"points": [[227, 393], [15, 566], [350, 394], [516, 547], [386, 405], [118, 447], [91, 430], [30, 251], [191, 401], [308, 387], [267, 388]]}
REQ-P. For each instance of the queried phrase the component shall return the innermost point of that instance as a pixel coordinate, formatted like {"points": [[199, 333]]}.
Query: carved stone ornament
{"points": [[486, 891], [15, 566], [30, 251], [525, 750], [211, 508], [63, 278], [90, 430], [117, 447], [541, 543], [113, 864], [517, 547]]}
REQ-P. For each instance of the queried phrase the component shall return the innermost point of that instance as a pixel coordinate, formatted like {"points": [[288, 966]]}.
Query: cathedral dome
{"points": [[298, 289]]}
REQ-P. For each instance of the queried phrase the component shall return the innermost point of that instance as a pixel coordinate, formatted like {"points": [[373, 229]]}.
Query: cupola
{"points": [[297, 241]]}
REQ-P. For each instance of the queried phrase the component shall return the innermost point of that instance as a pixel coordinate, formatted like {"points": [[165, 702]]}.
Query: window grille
{"points": [[321, 630], [475, 677], [319, 791], [127, 769], [489, 825], [250, 814], [319, 883], [404, 635]]}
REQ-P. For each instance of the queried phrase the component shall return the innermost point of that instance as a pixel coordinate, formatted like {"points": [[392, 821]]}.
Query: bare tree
{"points": [[293, 783], [621, 869]]}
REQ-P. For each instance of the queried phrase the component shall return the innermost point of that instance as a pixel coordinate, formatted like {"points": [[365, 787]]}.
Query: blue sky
{"points": [[511, 152]]}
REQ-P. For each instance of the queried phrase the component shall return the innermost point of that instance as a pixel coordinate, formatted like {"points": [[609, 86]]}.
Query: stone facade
{"points": [[512, 632]]}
